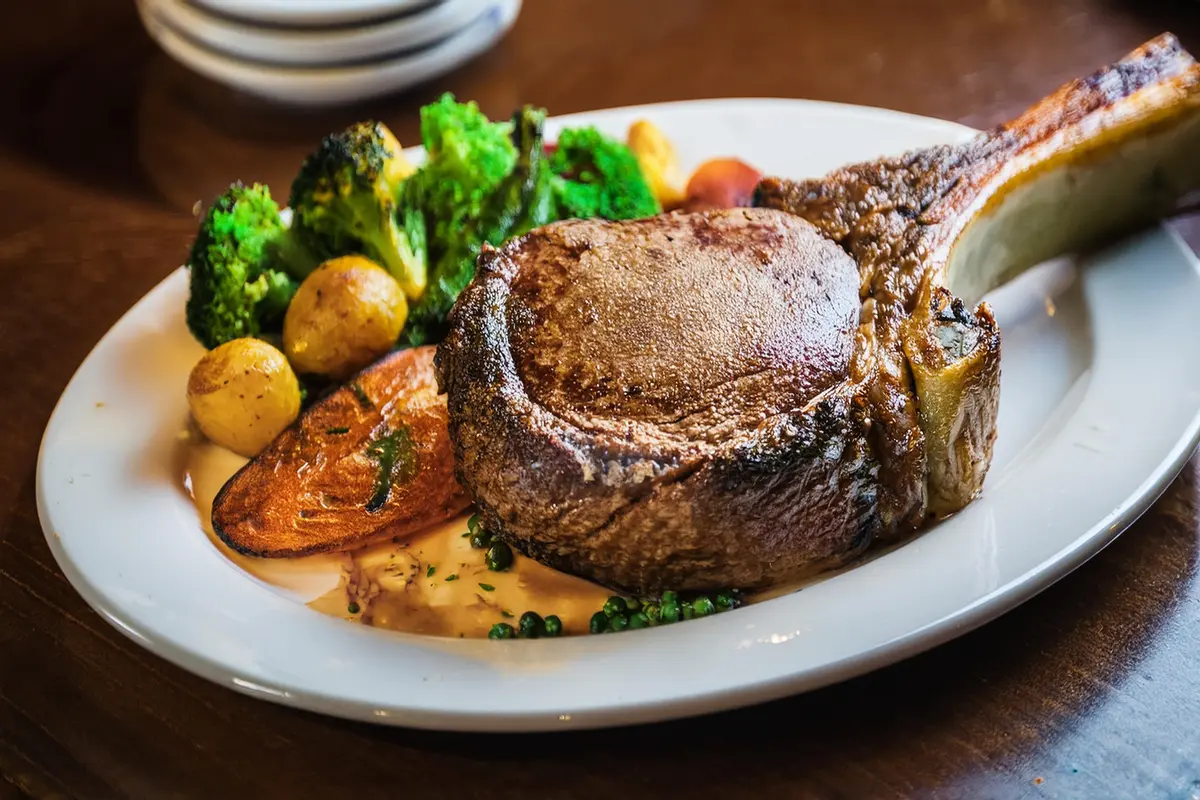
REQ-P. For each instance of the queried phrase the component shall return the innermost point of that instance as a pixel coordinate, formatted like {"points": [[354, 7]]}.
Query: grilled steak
{"points": [[663, 402], [735, 398]]}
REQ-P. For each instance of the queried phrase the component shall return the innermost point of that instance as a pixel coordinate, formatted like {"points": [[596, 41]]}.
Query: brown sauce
{"points": [[390, 584], [403, 586]]}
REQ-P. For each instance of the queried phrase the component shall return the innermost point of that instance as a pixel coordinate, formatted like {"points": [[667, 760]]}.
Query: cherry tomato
{"points": [[721, 183]]}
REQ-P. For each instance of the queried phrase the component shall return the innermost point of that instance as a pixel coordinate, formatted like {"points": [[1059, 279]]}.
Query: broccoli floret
{"points": [[236, 287], [468, 157], [518, 204], [597, 176], [351, 196]]}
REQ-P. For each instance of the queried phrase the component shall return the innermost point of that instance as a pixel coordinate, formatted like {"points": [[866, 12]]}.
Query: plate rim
{"points": [[284, 12], [1000, 600], [337, 84], [317, 49]]}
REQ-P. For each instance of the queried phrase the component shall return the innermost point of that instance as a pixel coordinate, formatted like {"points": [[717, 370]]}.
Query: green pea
{"points": [[638, 620], [702, 606], [725, 601], [530, 625], [670, 598], [615, 606], [501, 630], [653, 612], [633, 604], [480, 539], [552, 625], [499, 557], [618, 623], [670, 612], [598, 622], [686, 610]]}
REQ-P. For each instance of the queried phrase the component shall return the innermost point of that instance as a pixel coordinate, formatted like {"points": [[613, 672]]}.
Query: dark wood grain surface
{"points": [[1090, 690]]}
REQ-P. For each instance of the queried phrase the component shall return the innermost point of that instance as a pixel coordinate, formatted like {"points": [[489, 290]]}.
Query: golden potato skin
{"points": [[346, 315], [243, 394]]}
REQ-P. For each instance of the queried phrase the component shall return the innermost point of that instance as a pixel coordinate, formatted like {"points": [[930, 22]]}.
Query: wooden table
{"points": [[1090, 690]]}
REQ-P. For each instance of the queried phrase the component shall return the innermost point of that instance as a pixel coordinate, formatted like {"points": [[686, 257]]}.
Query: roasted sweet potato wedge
{"points": [[373, 459]]}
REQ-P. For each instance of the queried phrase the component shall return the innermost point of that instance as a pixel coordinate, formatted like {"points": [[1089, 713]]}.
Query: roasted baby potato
{"points": [[243, 394], [347, 314], [659, 163]]}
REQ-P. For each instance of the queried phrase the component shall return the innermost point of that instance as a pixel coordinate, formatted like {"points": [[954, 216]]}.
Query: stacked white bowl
{"points": [[325, 52]]}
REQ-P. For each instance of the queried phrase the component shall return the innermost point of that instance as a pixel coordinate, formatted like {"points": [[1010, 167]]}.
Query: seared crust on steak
{"points": [[664, 402]]}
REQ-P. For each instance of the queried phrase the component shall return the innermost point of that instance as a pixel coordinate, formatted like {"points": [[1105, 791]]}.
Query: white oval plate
{"points": [[331, 85], [1085, 445], [381, 41], [313, 13]]}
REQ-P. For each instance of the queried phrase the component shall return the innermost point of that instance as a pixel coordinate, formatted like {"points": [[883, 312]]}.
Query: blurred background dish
{"points": [[323, 84], [297, 13], [391, 37]]}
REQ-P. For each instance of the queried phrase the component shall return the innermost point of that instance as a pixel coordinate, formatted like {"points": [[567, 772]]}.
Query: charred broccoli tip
{"points": [[349, 197]]}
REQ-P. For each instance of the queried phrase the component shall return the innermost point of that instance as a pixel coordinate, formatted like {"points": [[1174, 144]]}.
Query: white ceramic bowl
{"points": [[312, 13], [332, 85], [383, 40]]}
